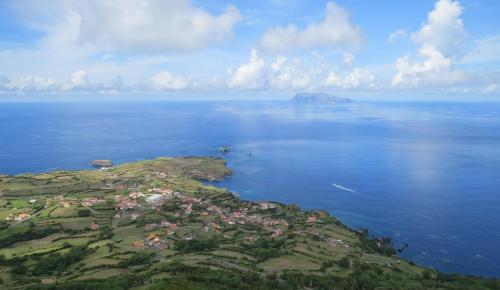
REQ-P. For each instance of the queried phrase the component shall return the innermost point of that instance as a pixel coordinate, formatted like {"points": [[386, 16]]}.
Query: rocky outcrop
{"points": [[102, 163]]}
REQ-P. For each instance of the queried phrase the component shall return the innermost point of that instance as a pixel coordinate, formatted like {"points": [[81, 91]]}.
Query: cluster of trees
{"points": [[57, 262], [263, 249], [106, 233], [381, 246], [137, 259], [22, 233], [195, 245], [49, 264], [83, 212]]}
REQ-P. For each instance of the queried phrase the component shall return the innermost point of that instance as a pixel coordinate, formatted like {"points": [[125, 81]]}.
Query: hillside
{"points": [[155, 225]]}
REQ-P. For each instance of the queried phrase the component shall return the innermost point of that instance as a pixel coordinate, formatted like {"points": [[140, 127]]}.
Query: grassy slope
{"points": [[234, 256]]}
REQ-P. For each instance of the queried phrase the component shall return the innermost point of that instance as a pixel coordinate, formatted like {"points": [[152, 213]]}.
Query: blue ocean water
{"points": [[426, 174]]}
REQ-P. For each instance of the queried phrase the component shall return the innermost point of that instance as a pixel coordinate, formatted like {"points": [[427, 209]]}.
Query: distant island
{"points": [[319, 98], [153, 225]]}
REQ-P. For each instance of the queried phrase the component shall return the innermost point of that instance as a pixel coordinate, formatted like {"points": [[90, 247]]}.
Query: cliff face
{"points": [[319, 98]]}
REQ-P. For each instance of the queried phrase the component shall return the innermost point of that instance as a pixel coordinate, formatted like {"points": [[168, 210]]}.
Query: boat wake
{"points": [[344, 188]]}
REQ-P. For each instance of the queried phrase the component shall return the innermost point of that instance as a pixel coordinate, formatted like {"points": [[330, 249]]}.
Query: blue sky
{"points": [[445, 49]]}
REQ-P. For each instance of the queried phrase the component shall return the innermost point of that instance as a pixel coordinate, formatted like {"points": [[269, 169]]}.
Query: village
{"points": [[215, 217]]}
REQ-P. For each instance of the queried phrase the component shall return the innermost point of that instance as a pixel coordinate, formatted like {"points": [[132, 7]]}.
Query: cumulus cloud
{"points": [[443, 29], [280, 73], [249, 75], [145, 25], [166, 81], [335, 30], [79, 80], [283, 73], [435, 69], [440, 39]]}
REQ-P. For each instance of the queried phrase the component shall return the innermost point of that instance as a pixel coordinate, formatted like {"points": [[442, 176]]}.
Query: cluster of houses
{"points": [[155, 198], [154, 241], [241, 216], [91, 201], [124, 203], [158, 196], [19, 217]]}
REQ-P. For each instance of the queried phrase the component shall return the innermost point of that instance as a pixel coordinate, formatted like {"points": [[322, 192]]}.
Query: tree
{"points": [[344, 263]]}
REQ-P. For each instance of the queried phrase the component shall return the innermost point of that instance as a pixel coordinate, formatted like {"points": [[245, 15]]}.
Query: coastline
{"points": [[159, 211]]}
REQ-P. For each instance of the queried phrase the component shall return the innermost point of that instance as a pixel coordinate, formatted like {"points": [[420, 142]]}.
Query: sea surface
{"points": [[426, 174]]}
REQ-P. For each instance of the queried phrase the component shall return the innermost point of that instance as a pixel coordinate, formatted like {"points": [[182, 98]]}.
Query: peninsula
{"points": [[155, 225]]}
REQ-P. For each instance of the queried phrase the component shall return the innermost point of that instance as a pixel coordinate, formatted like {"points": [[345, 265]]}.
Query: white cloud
{"points": [[397, 35], [35, 83], [334, 31], [79, 81], [435, 69], [443, 29], [440, 39], [278, 74], [79, 78], [166, 81], [249, 75], [147, 25], [289, 75], [284, 74]]}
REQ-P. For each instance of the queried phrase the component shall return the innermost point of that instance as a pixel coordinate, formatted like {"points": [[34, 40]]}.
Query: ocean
{"points": [[422, 173]]}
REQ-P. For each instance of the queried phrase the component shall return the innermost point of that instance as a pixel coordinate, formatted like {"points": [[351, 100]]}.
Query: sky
{"points": [[426, 49]]}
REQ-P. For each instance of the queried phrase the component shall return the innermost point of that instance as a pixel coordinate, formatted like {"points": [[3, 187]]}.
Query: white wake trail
{"points": [[344, 188]]}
